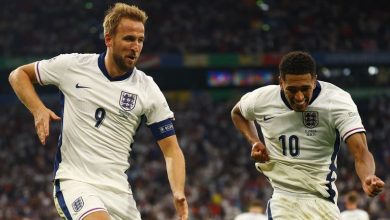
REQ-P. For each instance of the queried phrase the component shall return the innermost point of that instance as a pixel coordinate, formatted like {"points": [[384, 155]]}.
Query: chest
{"points": [[308, 134], [309, 123], [91, 94]]}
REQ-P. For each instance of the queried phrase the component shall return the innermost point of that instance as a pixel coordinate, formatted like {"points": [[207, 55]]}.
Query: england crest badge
{"points": [[127, 101], [78, 204], [310, 119]]}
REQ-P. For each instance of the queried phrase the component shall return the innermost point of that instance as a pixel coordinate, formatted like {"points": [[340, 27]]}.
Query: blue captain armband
{"points": [[162, 129]]}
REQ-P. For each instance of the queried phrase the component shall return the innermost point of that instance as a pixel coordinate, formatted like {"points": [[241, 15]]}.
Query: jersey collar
{"points": [[102, 67], [316, 93]]}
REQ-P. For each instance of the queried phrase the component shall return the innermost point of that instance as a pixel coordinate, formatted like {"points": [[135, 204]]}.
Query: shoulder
{"points": [[334, 96], [145, 80], [147, 84], [258, 98], [74, 58], [351, 214], [242, 216], [268, 89], [249, 216], [332, 90], [362, 212], [267, 92], [265, 95], [84, 59], [142, 76]]}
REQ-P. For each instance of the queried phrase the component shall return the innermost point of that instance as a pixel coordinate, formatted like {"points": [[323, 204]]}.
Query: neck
{"points": [[112, 69], [351, 206]]}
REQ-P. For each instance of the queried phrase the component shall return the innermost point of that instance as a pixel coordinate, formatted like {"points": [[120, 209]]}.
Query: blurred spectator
{"points": [[255, 212], [50, 27], [352, 212]]}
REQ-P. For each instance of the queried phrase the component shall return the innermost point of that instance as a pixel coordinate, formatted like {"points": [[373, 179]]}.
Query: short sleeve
{"points": [[158, 106], [246, 105], [49, 72], [346, 116]]}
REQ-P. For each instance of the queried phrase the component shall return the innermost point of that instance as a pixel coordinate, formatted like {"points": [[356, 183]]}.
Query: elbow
{"points": [[232, 113], [236, 116], [17, 76], [12, 77], [235, 111]]}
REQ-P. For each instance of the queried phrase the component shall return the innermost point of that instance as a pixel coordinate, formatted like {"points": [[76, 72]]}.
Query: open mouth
{"points": [[300, 103], [131, 57]]}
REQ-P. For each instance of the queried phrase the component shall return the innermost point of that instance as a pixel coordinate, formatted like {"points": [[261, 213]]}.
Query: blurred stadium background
{"points": [[204, 55]]}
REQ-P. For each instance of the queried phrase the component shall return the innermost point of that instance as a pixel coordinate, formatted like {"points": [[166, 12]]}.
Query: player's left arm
{"points": [[175, 164], [364, 164]]}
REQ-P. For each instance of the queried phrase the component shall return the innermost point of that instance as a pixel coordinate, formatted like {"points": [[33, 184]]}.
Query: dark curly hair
{"points": [[297, 63]]}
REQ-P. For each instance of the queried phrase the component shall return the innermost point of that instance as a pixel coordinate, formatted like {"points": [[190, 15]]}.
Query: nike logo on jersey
{"points": [[81, 87], [267, 118]]}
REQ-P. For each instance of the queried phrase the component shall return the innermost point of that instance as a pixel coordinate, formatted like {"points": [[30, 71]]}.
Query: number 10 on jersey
{"points": [[290, 145]]}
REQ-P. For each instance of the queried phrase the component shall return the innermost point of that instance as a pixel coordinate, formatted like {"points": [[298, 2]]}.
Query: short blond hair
{"points": [[119, 11]]}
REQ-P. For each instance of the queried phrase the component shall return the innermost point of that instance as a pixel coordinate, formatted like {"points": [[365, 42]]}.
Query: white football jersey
{"points": [[303, 146], [100, 116], [356, 214]]}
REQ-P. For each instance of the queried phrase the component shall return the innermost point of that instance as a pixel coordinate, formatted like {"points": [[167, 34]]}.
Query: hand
{"points": [[373, 185], [181, 207], [42, 119], [259, 152]]}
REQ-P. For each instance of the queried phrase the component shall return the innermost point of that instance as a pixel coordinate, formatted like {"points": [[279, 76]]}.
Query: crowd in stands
{"points": [[221, 177], [51, 27]]}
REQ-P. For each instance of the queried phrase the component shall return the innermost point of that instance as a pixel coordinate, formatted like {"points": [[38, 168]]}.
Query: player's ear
{"points": [[315, 80], [108, 40], [280, 82]]}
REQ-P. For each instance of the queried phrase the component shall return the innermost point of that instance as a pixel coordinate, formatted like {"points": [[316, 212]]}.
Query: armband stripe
{"points": [[38, 74], [352, 131], [162, 129]]}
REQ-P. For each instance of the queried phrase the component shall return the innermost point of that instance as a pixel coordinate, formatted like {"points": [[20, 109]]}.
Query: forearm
{"points": [[175, 164], [246, 128], [365, 165], [24, 89], [364, 161]]}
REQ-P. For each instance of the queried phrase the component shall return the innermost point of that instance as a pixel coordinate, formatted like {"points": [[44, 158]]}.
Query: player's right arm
{"points": [[248, 129], [365, 164], [175, 165], [21, 80], [347, 120]]}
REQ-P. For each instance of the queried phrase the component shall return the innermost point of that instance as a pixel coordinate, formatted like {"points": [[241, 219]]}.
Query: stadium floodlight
{"points": [[347, 71], [326, 72], [373, 70]]}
